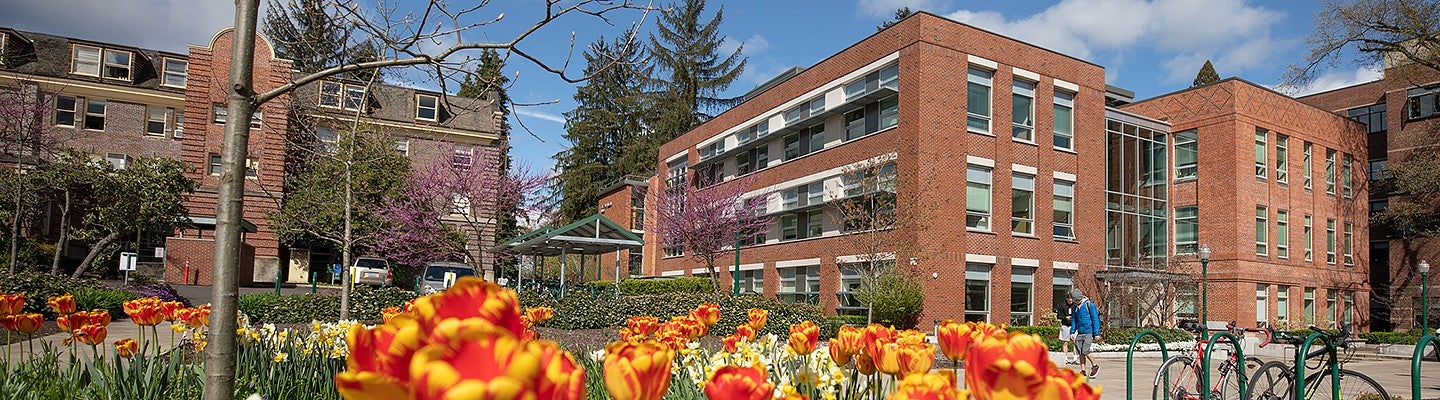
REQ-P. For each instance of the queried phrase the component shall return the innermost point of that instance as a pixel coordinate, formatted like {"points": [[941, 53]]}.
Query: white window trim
{"points": [[989, 115], [165, 70], [339, 95], [166, 116], [99, 60], [435, 110], [85, 115], [76, 117], [129, 66]]}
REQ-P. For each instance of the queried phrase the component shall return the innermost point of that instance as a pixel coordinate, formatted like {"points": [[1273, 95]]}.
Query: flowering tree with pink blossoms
{"points": [[707, 222], [448, 208]]}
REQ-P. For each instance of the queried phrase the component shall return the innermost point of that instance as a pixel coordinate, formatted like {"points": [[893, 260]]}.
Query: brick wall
{"points": [[193, 256]]}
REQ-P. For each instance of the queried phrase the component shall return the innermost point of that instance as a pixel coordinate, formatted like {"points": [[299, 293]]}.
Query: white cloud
{"points": [[753, 45], [886, 8], [537, 114], [1334, 80]]}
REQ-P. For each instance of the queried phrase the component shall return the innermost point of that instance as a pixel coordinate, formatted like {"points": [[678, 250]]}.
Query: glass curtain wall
{"points": [[1136, 170]]}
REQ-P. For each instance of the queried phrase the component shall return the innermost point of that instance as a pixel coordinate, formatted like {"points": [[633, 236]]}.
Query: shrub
{"points": [[40, 287], [1123, 336], [366, 303], [160, 290], [1409, 337], [896, 300], [585, 311], [1048, 334], [112, 300]]}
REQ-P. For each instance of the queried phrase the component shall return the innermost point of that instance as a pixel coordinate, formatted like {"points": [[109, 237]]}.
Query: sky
{"points": [[1151, 47]]}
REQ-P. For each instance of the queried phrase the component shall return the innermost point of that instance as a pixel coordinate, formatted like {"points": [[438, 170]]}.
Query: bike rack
{"points": [[1130, 362], [1300, 358], [1205, 363], [1420, 346]]}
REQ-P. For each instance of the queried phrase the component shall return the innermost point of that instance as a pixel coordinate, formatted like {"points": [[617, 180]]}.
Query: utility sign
{"points": [[127, 261], [449, 279]]}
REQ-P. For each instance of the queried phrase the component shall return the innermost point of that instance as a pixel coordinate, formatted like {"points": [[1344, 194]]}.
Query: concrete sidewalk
{"points": [[1393, 375], [119, 329]]}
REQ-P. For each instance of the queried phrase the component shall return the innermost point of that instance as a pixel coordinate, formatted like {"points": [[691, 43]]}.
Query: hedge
{"points": [[585, 311], [365, 305], [40, 287], [641, 287], [1407, 337], [1121, 336]]}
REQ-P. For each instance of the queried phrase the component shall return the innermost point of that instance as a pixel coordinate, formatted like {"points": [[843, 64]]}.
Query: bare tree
{"points": [[1399, 31], [405, 38], [708, 222]]}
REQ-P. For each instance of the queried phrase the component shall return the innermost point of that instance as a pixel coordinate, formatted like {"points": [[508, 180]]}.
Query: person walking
{"points": [[1086, 327], [1067, 334]]}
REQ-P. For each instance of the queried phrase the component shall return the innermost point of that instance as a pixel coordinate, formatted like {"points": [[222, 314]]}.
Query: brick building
{"points": [[1035, 129], [119, 102], [1401, 115]]}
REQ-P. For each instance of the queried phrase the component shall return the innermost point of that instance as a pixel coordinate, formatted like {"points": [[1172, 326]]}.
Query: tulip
{"points": [[477, 364], [379, 362], [63, 305], [561, 377], [197, 316], [732, 382], [637, 371], [876, 335], [745, 333], [540, 314], [757, 317], [170, 308], [146, 311], [26, 323], [954, 339], [849, 342], [126, 347], [472, 298], [731, 343], [687, 325], [91, 334], [99, 317], [927, 387], [1068, 381], [706, 313], [864, 364], [916, 358], [389, 313], [673, 339], [804, 337], [887, 358], [11, 304], [643, 325], [69, 323], [1008, 365]]}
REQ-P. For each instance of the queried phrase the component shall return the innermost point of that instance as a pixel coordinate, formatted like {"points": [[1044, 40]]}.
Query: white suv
{"points": [[372, 271]]}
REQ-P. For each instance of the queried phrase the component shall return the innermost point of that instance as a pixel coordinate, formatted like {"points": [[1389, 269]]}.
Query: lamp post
{"points": [[1205, 286], [1424, 269]]}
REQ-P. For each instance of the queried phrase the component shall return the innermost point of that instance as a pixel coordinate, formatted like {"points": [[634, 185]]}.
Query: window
{"points": [[95, 115], [219, 114], [459, 205], [1260, 153], [889, 113], [1309, 238], [179, 130], [1349, 308], [1282, 233], [1060, 288], [1187, 229], [354, 97], [117, 64], [1262, 230], [330, 94], [1282, 304], [1330, 241], [814, 227], [977, 292], [1022, 203], [1306, 164], [1349, 243], [799, 285], [855, 124], [1349, 177], [752, 282], [427, 108], [1379, 205], [977, 197], [117, 160], [1064, 120], [252, 168], [789, 227], [1064, 209], [713, 149], [463, 157], [1022, 296], [1372, 116], [817, 138], [4, 40], [1262, 304], [1423, 102], [1309, 303], [328, 140], [1330, 172], [1186, 149], [752, 160], [1378, 169], [65, 111], [1330, 310], [1022, 111], [792, 147], [870, 179], [214, 164], [1282, 151], [85, 60], [978, 101], [175, 74], [157, 120], [402, 145]]}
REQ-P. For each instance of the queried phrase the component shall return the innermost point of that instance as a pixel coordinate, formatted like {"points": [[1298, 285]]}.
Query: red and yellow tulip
{"points": [[706, 313], [91, 334], [756, 318], [804, 337], [149, 311], [876, 335], [850, 341], [539, 314], [643, 325], [637, 371], [472, 299], [864, 364], [916, 358], [63, 305], [127, 347], [477, 364], [927, 387], [732, 382], [731, 343], [1007, 367], [170, 310], [745, 333], [561, 378], [11, 304], [389, 313], [195, 316], [26, 323]]}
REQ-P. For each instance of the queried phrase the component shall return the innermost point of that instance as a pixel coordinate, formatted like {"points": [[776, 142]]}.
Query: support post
{"points": [[562, 270]]}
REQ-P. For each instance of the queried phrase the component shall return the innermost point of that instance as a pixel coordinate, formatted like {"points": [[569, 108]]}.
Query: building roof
{"points": [[39, 54], [592, 235]]}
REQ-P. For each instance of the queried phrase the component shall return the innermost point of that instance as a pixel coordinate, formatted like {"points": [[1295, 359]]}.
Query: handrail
{"points": [[1205, 363], [1130, 361], [1301, 356], [1420, 346]]}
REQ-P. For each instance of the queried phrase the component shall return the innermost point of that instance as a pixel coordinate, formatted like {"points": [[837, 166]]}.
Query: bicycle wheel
{"points": [[1353, 386], [1181, 383], [1230, 379], [1272, 381]]}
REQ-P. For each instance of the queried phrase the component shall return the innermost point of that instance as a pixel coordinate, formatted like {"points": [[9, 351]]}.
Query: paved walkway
{"points": [[117, 330], [1393, 375]]}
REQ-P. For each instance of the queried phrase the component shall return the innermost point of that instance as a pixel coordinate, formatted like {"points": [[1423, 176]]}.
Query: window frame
{"points": [[355, 93], [1262, 303], [1018, 181], [75, 60], [1262, 154], [976, 78], [1308, 165], [1282, 233], [335, 96], [74, 113], [1309, 232], [983, 218], [1330, 252], [1262, 230], [1060, 186], [1018, 281], [1192, 220], [1349, 243], [434, 108], [1282, 165], [166, 114], [1018, 128], [165, 72], [104, 112], [105, 65], [214, 166], [1330, 160], [1282, 303], [1308, 305], [1187, 141], [1347, 172], [402, 145], [1065, 100], [978, 273]]}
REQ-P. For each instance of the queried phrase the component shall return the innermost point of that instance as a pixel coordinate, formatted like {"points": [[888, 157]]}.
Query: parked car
{"points": [[372, 271], [434, 278]]}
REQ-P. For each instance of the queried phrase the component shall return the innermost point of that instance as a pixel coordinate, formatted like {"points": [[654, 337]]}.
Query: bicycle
{"points": [[1275, 380], [1183, 382]]}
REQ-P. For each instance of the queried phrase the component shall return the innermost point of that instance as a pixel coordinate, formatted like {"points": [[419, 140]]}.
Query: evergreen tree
{"points": [[489, 80], [691, 70], [1206, 75], [604, 128], [315, 37], [900, 14]]}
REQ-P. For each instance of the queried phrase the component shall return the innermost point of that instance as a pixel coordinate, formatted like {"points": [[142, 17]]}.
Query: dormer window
{"points": [[330, 94], [117, 64], [175, 72], [85, 60], [354, 97], [4, 40], [427, 108]]}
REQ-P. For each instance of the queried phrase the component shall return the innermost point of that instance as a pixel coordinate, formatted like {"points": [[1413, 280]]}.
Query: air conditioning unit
{"points": [[179, 133]]}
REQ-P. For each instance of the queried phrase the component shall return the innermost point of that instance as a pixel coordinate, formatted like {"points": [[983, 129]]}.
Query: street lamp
{"points": [[1424, 269], [1205, 286]]}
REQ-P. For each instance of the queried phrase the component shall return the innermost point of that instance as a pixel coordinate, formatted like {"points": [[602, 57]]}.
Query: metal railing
{"points": [[1426, 341]]}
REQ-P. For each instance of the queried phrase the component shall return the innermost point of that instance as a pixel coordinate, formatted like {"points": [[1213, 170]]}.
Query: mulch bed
{"points": [[46, 329]]}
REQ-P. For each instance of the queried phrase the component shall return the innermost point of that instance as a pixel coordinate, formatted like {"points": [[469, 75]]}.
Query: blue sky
{"points": [[1149, 46]]}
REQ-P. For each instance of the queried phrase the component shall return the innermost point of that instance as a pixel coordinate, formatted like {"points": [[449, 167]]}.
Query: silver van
{"points": [[438, 275]]}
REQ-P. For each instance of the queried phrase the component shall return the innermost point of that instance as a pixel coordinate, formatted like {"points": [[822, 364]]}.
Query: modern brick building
{"points": [[119, 102], [1401, 115], [1095, 200]]}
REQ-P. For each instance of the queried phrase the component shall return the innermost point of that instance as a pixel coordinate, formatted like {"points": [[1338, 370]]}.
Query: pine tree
{"points": [[604, 127], [315, 37], [688, 51], [489, 80], [1206, 75], [900, 14]]}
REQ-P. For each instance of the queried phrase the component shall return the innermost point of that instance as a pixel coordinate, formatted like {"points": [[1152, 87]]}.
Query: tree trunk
{"points": [[230, 206], [64, 241], [95, 252], [15, 226], [347, 245]]}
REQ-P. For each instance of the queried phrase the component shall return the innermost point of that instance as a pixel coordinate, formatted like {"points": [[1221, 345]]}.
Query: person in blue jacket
{"points": [[1086, 326]]}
